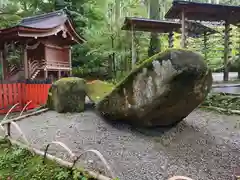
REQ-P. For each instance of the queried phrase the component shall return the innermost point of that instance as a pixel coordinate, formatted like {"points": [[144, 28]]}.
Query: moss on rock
{"points": [[162, 90], [97, 90], [67, 95]]}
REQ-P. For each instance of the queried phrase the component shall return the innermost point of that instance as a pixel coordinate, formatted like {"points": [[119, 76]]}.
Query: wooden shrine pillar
{"points": [[134, 58], [226, 50], [205, 45], [46, 73], [183, 29], [4, 61], [170, 40], [25, 62], [2, 65], [59, 74], [70, 60], [238, 28]]}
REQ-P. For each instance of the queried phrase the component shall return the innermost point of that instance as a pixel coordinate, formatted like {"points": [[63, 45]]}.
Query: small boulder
{"points": [[67, 95], [161, 91]]}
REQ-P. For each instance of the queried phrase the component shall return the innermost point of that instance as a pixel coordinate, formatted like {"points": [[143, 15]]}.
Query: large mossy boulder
{"points": [[67, 95], [161, 91]]}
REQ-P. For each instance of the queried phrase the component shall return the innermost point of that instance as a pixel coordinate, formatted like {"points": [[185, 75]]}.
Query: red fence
{"points": [[22, 93]]}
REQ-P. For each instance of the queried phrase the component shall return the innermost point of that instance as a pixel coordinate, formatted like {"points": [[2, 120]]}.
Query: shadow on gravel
{"points": [[145, 131]]}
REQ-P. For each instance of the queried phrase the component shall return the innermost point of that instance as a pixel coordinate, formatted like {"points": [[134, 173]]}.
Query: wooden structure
{"points": [[45, 43], [161, 26], [206, 12]]}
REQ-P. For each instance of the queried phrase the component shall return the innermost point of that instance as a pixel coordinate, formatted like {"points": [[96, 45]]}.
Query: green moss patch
{"points": [[222, 100], [20, 164], [97, 90]]}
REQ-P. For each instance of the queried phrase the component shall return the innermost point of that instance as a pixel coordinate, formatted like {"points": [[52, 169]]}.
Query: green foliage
{"points": [[222, 100], [18, 163]]}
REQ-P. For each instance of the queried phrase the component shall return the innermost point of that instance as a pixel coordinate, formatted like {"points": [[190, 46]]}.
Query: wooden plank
{"points": [[183, 29], [1, 97], [226, 51], [2, 64], [25, 63]]}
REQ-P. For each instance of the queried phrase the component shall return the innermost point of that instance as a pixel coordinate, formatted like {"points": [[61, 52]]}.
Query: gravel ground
{"points": [[205, 146]]}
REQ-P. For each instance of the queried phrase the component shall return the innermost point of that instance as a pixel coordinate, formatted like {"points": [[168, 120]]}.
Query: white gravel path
{"points": [[205, 146]]}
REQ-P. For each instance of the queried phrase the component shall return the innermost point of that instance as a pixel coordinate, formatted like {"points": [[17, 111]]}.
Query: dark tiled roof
{"points": [[45, 21], [43, 24], [204, 11]]}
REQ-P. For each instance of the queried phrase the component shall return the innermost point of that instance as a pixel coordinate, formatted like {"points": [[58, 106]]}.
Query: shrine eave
{"points": [[204, 12], [44, 25], [164, 26]]}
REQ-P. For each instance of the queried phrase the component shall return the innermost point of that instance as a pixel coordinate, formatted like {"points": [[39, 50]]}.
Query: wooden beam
{"points": [[58, 68], [183, 29], [170, 40], [25, 60], [45, 73], [226, 50], [205, 45], [70, 60], [133, 48], [59, 74], [5, 63], [1, 62]]}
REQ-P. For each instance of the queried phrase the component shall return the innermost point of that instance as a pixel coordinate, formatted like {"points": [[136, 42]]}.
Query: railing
{"points": [[13, 70], [32, 67], [35, 66], [57, 65]]}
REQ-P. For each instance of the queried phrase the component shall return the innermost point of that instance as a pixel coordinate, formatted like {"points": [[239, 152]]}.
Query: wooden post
{"points": [[59, 74], [25, 60], [5, 63], [226, 50], [238, 28], [9, 129], [183, 29], [205, 45], [170, 40], [70, 60], [45, 73], [1, 62], [133, 49]]}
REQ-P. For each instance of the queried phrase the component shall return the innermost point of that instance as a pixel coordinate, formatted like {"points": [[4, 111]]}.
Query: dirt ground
{"points": [[205, 146]]}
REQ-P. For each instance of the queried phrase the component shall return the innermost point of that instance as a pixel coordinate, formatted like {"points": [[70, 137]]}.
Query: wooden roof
{"points": [[44, 25], [204, 12], [161, 26]]}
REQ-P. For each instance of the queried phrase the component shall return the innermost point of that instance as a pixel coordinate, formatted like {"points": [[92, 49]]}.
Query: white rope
{"points": [[180, 178], [9, 111], [24, 108], [22, 135], [64, 146], [101, 157]]}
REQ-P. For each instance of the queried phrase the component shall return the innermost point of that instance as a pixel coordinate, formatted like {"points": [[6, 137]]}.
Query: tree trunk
{"points": [[154, 13]]}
